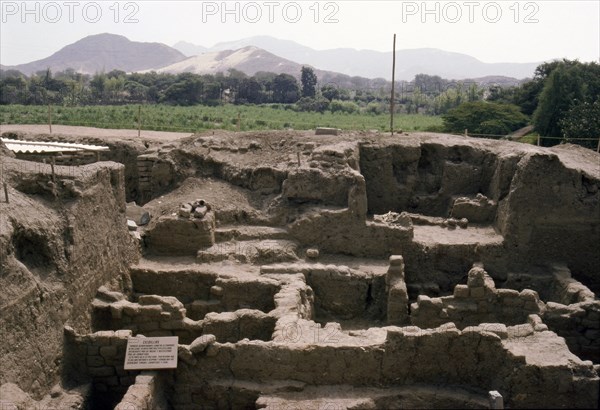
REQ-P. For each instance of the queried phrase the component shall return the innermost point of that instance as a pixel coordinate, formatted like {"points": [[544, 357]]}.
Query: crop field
{"points": [[201, 118]]}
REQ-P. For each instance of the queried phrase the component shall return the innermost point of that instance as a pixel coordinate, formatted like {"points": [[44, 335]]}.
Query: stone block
{"points": [[327, 131], [496, 400], [507, 293], [102, 338], [185, 210], [461, 291], [512, 302], [477, 292], [94, 361], [522, 330], [184, 353], [151, 311], [312, 253], [534, 320], [132, 309], [201, 343], [131, 225], [216, 291], [476, 277], [146, 378], [116, 311], [496, 328], [108, 351], [529, 295], [396, 260], [424, 300]]}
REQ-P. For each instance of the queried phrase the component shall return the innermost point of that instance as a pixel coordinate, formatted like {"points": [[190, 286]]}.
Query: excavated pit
{"points": [[352, 271]]}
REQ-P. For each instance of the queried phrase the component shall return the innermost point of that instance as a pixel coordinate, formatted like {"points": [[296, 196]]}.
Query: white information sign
{"points": [[148, 353]]}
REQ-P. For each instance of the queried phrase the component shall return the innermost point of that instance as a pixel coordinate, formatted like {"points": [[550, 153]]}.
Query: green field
{"points": [[200, 118]]}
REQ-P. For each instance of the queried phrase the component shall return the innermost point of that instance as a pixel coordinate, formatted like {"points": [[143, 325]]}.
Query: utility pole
{"points": [[393, 88]]}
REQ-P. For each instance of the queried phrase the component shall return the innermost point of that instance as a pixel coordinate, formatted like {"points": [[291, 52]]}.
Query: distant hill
{"points": [[189, 49], [251, 60], [105, 52], [374, 64]]}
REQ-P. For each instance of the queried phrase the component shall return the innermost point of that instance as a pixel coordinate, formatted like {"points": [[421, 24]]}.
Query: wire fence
{"points": [[539, 138]]}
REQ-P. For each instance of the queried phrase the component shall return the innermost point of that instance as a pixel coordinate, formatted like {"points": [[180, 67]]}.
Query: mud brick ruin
{"points": [[351, 271]]}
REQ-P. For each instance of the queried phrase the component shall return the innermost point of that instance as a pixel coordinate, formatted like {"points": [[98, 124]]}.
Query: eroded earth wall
{"points": [[548, 200], [62, 236]]}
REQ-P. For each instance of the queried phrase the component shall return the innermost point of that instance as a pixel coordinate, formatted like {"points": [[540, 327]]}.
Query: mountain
{"points": [[373, 64], [189, 49], [105, 52], [251, 60]]}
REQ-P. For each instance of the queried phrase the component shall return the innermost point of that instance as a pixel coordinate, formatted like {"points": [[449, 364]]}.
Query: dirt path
{"points": [[158, 136]]}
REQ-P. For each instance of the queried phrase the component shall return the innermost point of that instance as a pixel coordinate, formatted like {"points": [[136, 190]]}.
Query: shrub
{"points": [[484, 118], [348, 107]]}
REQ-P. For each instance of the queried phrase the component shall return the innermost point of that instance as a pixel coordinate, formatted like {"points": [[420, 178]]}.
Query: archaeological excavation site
{"points": [[299, 271]]}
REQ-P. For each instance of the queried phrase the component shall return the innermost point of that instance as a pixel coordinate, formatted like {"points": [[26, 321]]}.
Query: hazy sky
{"points": [[492, 31]]}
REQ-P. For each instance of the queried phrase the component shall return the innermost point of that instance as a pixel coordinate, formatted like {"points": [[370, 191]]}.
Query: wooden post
{"points": [[299, 163], [50, 118], [393, 87], [538, 141], [139, 120], [5, 191], [466, 132], [239, 121]]}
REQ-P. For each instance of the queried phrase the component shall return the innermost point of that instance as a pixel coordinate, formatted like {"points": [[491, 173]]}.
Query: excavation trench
{"points": [[423, 270]]}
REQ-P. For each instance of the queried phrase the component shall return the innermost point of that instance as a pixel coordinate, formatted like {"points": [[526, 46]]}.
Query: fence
{"points": [[539, 138]]}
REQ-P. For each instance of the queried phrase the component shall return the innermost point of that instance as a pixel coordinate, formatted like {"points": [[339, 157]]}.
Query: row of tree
{"points": [[561, 101], [426, 94], [117, 87]]}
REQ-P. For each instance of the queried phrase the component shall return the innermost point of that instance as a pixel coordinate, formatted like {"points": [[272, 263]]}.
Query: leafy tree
{"points": [[330, 91], [187, 91], [13, 90], [98, 86], [285, 89], [343, 106], [567, 84], [484, 118], [136, 92], [309, 82], [250, 91], [429, 84], [318, 104], [582, 121], [527, 96]]}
